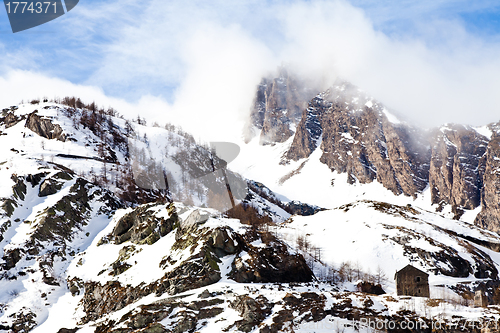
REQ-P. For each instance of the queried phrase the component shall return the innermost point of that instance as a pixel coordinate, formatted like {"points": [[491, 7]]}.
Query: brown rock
{"points": [[489, 217], [44, 127], [359, 140], [278, 107], [457, 167]]}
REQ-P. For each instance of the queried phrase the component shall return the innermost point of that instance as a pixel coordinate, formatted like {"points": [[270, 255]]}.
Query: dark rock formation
{"points": [[271, 262], [11, 258], [44, 127], [356, 136], [309, 129], [303, 209], [70, 212], [370, 288]]}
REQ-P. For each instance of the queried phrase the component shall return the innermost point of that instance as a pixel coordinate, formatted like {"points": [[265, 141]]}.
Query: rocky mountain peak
{"points": [[357, 135]]}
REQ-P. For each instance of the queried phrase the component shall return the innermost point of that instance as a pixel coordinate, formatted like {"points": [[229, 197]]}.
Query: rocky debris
{"points": [[120, 265], [146, 318], [489, 217], [307, 307], [252, 310], [75, 285], [68, 330], [457, 167], [142, 226], [44, 127], [22, 322]]}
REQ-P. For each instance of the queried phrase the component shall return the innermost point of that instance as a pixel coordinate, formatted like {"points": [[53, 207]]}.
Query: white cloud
{"points": [[430, 82]]}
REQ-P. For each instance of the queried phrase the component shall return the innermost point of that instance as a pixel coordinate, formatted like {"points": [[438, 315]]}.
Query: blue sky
{"points": [[160, 54]]}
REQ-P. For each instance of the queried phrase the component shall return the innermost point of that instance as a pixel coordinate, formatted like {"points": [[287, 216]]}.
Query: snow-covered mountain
{"points": [[345, 133], [110, 225]]}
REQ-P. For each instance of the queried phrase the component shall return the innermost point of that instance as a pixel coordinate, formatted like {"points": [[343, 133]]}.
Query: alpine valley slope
{"points": [[85, 249]]}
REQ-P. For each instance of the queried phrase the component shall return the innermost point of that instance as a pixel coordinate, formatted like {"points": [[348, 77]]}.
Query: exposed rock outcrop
{"points": [[253, 311], [99, 300], [44, 127], [11, 120], [142, 226], [193, 261], [270, 262], [277, 107], [358, 139], [52, 184], [457, 167], [489, 217]]}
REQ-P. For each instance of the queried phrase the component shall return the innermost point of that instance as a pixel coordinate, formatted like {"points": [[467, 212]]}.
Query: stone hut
{"points": [[411, 281], [480, 299]]}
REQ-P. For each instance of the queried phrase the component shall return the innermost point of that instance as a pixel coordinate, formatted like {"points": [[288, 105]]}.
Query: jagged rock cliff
{"points": [[489, 217], [358, 139], [457, 167], [277, 107], [358, 136]]}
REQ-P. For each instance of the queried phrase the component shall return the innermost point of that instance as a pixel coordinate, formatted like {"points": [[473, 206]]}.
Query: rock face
{"points": [[277, 107], [489, 217], [253, 311], [358, 139], [143, 227], [10, 120], [99, 300], [309, 129], [44, 127], [457, 167], [271, 262]]}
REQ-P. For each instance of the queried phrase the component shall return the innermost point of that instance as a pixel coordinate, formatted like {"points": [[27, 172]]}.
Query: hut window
{"points": [[417, 279]]}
